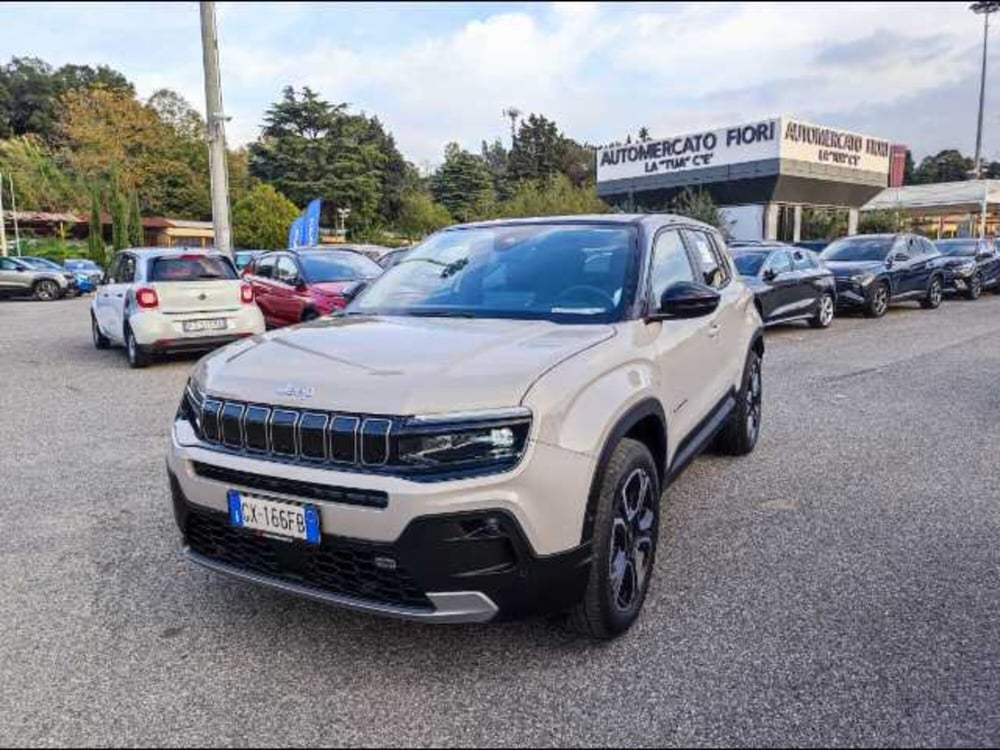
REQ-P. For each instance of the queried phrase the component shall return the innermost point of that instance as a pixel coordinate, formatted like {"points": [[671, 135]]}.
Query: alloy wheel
{"points": [[881, 301], [754, 401], [46, 291], [976, 286], [935, 293], [825, 310], [632, 539]]}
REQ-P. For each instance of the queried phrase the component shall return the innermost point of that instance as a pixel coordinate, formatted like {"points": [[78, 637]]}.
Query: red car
{"points": [[292, 286]]}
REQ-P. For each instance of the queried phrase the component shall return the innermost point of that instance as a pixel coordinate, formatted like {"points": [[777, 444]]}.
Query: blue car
{"points": [[88, 274]]}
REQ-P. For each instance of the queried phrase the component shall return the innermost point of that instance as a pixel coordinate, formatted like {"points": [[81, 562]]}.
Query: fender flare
{"points": [[645, 408]]}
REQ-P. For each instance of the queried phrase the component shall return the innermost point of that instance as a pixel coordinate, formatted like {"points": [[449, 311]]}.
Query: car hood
{"points": [[395, 365], [851, 267], [957, 261]]}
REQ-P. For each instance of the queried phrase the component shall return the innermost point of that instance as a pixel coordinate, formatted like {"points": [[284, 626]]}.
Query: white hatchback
{"points": [[155, 300]]}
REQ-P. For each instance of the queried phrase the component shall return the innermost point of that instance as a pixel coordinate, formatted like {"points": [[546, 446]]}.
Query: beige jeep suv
{"points": [[485, 432]]}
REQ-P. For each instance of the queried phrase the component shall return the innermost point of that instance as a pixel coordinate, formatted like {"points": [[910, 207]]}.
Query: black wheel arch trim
{"points": [[649, 407]]}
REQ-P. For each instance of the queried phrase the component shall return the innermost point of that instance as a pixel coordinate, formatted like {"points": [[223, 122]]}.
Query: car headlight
{"points": [[191, 404], [862, 279], [966, 269], [475, 441]]}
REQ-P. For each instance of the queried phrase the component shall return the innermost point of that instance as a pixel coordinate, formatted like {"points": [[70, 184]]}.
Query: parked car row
{"points": [[865, 273]]}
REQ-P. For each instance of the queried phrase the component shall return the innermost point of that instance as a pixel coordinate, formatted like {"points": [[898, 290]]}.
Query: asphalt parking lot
{"points": [[841, 585]]}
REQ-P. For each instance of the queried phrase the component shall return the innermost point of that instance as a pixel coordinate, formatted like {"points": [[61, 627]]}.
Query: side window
{"points": [[126, 270], [926, 246], [901, 245], [780, 262], [7, 265], [914, 247], [714, 268], [285, 270], [801, 260], [670, 264], [264, 267]]}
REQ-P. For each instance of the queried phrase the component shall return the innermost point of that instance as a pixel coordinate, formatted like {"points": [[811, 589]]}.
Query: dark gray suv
{"points": [[17, 278]]}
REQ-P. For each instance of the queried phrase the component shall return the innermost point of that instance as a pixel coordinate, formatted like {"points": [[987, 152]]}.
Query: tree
{"points": [[823, 223], [497, 160], [553, 196], [699, 205], [538, 151], [419, 215], [945, 166], [310, 148], [463, 184], [908, 168], [119, 216], [39, 182], [881, 221], [95, 234], [104, 132], [262, 217], [643, 133], [136, 237]]}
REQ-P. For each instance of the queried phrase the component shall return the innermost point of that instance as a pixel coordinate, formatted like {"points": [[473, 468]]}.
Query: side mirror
{"points": [[353, 290], [897, 258], [686, 299], [770, 274]]}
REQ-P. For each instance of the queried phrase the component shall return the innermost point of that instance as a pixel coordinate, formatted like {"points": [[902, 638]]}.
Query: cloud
{"points": [[440, 72]]}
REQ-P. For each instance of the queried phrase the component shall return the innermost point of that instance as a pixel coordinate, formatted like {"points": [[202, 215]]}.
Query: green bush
{"points": [[54, 249]]}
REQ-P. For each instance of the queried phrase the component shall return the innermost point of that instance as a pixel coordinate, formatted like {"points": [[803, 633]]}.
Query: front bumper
{"points": [[851, 295], [457, 551]]}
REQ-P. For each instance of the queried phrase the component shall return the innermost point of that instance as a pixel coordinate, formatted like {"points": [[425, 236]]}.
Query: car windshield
{"points": [[191, 268], [559, 272], [337, 266], [858, 248], [41, 264], [748, 262], [82, 265], [964, 248]]}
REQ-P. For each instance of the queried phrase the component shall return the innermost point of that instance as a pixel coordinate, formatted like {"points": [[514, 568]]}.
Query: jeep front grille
{"points": [[342, 440]]}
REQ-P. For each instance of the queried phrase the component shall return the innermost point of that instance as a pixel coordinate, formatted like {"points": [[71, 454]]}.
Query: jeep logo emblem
{"points": [[300, 392]]}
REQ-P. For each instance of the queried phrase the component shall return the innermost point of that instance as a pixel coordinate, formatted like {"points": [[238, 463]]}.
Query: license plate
{"points": [[280, 519], [214, 324]]}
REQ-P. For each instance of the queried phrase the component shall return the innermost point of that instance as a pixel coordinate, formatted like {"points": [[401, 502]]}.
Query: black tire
{"points": [[137, 356], [46, 290], [975, 288], [935, 293], [878, 302], [626, 526], [825, 309], [741, 432], [100, 340]]}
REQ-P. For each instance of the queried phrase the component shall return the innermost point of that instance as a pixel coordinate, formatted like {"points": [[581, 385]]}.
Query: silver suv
{"points": [[485, 432], [21, 279]]}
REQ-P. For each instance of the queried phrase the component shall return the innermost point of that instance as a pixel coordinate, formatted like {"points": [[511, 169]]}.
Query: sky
{"points": [[435, 73]]}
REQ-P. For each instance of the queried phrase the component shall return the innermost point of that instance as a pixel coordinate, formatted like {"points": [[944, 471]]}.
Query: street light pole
{"points": [[983, 8], [216, 130]]}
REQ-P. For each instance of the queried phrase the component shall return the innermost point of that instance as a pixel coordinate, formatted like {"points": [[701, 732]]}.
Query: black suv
{"points": [[874, 270], [970, 266]]}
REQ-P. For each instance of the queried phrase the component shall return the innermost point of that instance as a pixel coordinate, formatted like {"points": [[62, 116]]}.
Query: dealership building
{"points": [[762, 173]]}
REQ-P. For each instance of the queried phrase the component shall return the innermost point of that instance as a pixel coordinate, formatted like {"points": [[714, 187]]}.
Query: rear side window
{"points": [[191, 268], [714, 268], [780, 262], [126, 270], [802, 260]]}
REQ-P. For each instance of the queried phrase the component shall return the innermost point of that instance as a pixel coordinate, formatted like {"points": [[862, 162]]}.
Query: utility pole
{"points": [[13, 213], [216, 130], [3, 231], [984, 8]]}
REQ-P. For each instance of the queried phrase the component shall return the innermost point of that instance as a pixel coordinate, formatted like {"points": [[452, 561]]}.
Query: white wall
{"points": [[745, 222]]}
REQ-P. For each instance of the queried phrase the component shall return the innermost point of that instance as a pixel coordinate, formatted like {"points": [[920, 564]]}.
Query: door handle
{"points": [[713, 330]]}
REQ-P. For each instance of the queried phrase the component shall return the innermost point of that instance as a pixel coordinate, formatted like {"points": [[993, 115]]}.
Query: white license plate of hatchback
{"points": [[211, 324], [275, 518]]}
